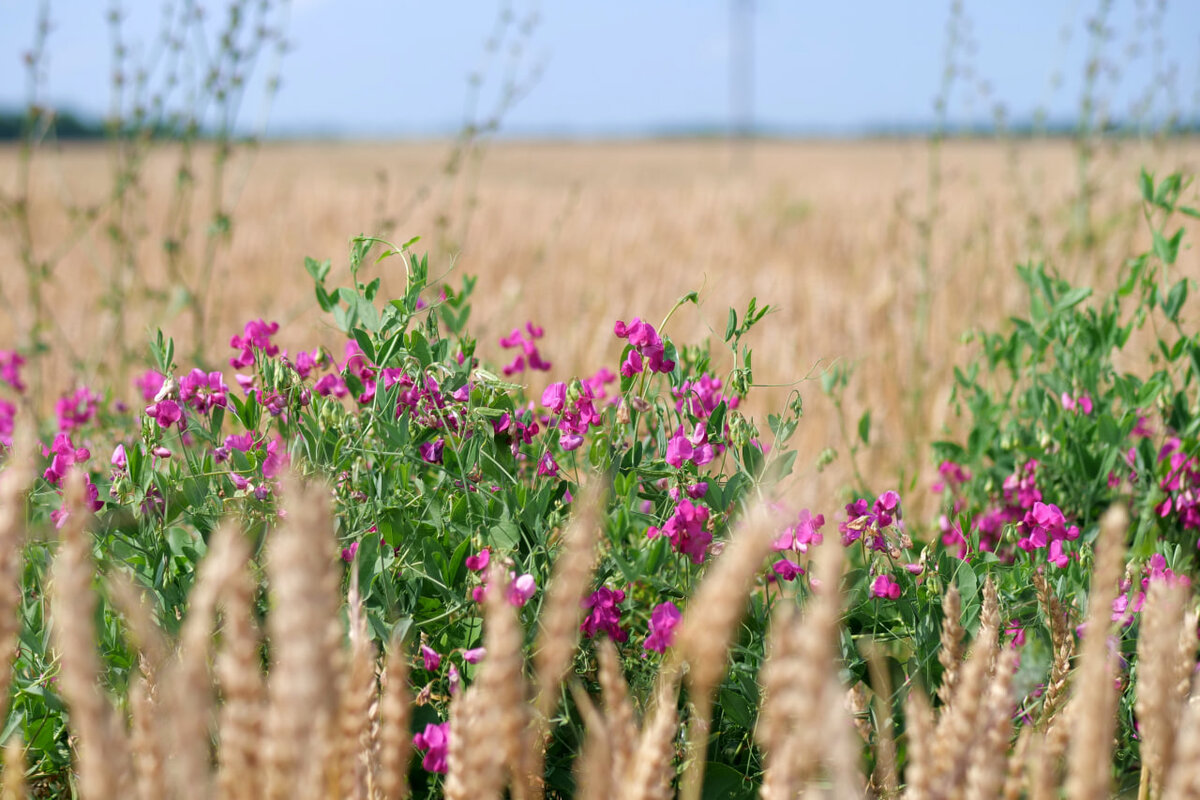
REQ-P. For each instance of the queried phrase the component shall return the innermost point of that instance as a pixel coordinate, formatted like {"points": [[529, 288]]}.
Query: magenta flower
{"points": [[435, 741], [65, 456], [256, 335], [92, 495], [547, 466], [805, 533], [431, 658], [555, 397], [604, 615], [686, 530], [647, 344], [203, 391], [694, 447], [521, 589], [431, 452], [1017, 633], [886, 588], [10, 369], [118, 457], [165, 412], [787, 569], [529, 354], [8, 413], [331, 385], [77, 409], [663, 620], [479, 561], [474, 655], [348, 553]]}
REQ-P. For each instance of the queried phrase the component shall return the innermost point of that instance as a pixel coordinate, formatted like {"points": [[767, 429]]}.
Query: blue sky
{"points": [[394, 67]]}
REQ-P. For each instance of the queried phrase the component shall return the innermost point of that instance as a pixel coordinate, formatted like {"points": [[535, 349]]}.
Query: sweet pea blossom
{"points": [[348, 553], [8, 413], [547, 466], [521, 589], [787, 569], [805, 533], [603, 614], [686, 530], [648, 348], [203, 391], [435, 741], [693, 447], [65, 455], [884, 587], [474, 655], [663, 620], [430, 658], [1081, 404], [529, 355], [479, 561], [165, 412], [431, 452], [256, 335], [77, 409], [10, 369]]}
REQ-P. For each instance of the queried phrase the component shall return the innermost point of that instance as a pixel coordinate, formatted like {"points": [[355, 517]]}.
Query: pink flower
{"points": [[350, 552], [77, 409], [431, 452], [604, 615], [529, 353], [65, 456], [203, 391], [10, 369], [431, 658], [547, 465], [686, 530], [787, 569], [8, 413], [165, 412], [118, 457], [646, 343], [803, 534], [521, 589], [435, 741], [474, 655], [663, 620], [257, 335], [555, 397], [884, 587], [479, 561], [331, 385]]}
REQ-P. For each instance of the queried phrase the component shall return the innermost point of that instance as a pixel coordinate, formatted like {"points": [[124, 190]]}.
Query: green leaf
{"points": [[1167, 250], [364, 342], [731, 325], [864, 427], [317, 269], [1072, 298], [1175, 300], [723, 782], [1146, 182]]}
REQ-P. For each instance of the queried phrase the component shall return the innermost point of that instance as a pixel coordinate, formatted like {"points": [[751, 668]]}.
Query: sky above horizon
{"points": [[379, 68]]}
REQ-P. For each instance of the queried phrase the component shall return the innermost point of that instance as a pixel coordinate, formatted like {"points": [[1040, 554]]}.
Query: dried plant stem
{"points": [[1163, 670], [243, 690], [13, 785], [14, 482], [103, 752], [394, 714], [951, 652], [1093, 717]]}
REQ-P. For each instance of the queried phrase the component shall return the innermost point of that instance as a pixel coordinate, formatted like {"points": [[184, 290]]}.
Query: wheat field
{"points": [[576, 235]]}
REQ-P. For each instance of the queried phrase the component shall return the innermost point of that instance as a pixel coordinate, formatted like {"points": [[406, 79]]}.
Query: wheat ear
{"points": [[394, 714], [1093, 717], [709, 625], [103, 749]]}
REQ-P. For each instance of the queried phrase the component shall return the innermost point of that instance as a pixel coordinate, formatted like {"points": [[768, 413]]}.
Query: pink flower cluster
{"points": [[1181, 485], [648, 351], [572, 419], [692, 447], [435, 742], [686, 530], [864, 519], [529, 355], [203, 391], [520, 588], [798, 538], [1045, 527], [76, 409], [702, 396], [64, 456], [1156, 569], [604, 615], [1080, 404], [256, 335], [1020, 493], [663, 620], [10, 369]]}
